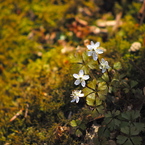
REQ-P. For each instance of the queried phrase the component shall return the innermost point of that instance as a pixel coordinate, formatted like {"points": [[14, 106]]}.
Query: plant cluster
{"points": [[110, 95]]}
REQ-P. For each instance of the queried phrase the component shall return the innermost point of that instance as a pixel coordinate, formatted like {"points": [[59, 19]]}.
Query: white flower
{"points": [[75, 95], [81, 78], [93, 50], [104, 65]]}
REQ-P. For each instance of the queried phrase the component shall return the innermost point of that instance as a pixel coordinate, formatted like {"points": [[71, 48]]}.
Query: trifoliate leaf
{"points": [[117, 66]]}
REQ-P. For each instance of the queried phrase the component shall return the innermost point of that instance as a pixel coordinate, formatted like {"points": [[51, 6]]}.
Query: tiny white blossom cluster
{"points": [[81, 78]]}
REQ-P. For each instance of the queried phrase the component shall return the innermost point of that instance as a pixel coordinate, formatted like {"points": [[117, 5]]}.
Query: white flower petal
{"points": [[95, 56], [103, 70], [97, 44], [86, 77], [81, 95], [102, 60], [76, 76], [77, 99], [77, 82], [81, 72], [73, 100], [100, 67], [89, 47], [83, 83], [99, 51], [90, 53], [92, 43]]}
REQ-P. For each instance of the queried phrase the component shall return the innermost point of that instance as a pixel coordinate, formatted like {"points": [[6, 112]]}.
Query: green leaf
{"points": [[98, 101], [102, 90], [78, 133], [133, 83], [85, 56], [136, 140], [117, 66], [105, 77], [87, 91], [78, 121], [140, 126], [108, 114], [121, 139], [76, 59], [92, 84], [73, 123], [91, 99], [125, 130], [131, 115], [134, 130], [117, 122], [128, 142], [82, 126], [103, 131], [102, 86], [100, 109], [92, 64]]}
